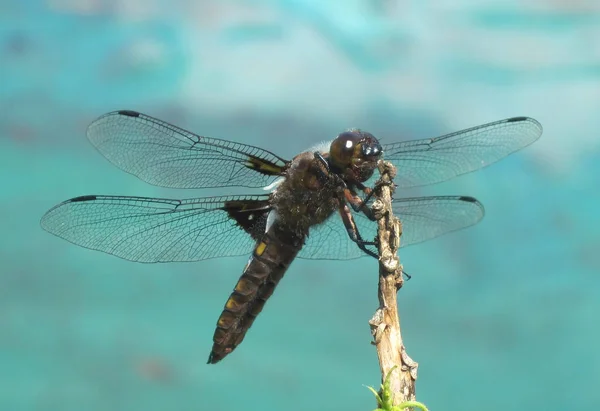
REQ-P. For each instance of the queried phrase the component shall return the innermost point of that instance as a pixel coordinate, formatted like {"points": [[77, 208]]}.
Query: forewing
{"points": [[423, 218], [168, 156], [159, 230], [429, 161]]}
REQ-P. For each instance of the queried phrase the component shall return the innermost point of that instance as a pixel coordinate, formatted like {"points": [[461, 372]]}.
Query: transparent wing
{"points": [[168, 156], [429, 161], [330, 241], [423, 218], [158, 230]]}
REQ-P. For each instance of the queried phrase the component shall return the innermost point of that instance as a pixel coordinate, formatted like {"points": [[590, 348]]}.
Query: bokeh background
{"points": [[501, 315]]}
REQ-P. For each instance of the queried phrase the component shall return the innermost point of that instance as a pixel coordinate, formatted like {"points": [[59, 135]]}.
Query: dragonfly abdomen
{"points": [[270, 260]]}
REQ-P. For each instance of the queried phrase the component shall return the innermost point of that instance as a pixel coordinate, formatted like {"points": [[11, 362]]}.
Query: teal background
{"points": [[502, 315]]}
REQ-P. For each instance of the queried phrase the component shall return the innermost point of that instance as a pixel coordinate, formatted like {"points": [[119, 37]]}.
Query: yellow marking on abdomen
{"points": [[260, 248], [245, 287], [226, 319], [233, 305]]}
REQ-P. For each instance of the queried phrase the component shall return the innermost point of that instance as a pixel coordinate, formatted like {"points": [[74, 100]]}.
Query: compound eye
{"points": [[343, 148]]}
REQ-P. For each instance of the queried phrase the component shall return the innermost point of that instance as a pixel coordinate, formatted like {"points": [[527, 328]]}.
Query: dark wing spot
{"points": [[515, 119], [129, 113], [468, 199], [250, 215], [83, 198], [263, 166]]}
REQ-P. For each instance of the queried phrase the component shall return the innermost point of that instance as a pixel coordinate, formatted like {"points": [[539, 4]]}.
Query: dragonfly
{"points": [[316, 206]]}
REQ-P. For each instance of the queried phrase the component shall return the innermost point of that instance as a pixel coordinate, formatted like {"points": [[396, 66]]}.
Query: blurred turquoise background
{"points": [[501, 315]]}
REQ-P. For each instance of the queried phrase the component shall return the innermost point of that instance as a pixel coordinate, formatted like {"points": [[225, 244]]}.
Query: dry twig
{"points": [[385, 324]]}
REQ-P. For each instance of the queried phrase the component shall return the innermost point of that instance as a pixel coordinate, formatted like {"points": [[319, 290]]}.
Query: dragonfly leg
{"points": [[323, 175], [371, 191], [358, 204], [361, 204], [353, 231]]}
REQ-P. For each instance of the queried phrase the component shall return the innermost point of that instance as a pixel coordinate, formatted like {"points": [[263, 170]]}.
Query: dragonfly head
{"points": [[354, 155]]}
